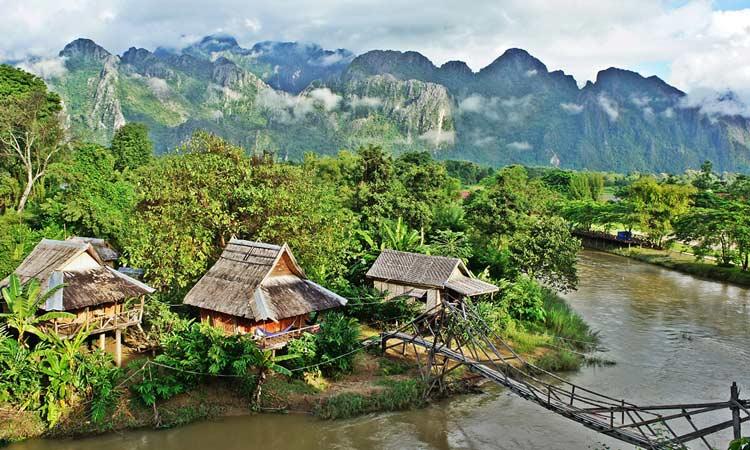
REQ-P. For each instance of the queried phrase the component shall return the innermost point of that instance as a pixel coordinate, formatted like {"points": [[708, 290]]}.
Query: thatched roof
{"points": [[77, 265], [103, 249], [259, 281], [439, 272]]}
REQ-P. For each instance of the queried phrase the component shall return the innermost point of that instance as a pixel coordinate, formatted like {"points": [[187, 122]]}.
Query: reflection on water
{"points": [[675, 338]]}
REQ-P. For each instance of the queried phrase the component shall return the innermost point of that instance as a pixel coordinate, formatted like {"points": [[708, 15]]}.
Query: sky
{"points": [[695, 45]]}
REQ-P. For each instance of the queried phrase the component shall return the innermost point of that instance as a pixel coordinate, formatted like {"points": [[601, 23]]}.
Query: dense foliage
{"points": [[171, 215], [47, 374]]}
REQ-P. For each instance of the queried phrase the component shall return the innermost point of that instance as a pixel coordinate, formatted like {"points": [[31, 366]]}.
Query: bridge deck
{"points": [[616, 418]]}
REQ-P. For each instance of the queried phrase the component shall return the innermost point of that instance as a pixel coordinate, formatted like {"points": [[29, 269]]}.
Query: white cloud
{"points": [[438, 137], [365, 102], [512, 109], [158, 86], [46, 68], [648, 113], [253, 24], [483, 141], [479, 104], [326, 98], [531, 72], [640, 100], [609, 106], [572, 108], [330, 59], [668, 113], [520, 145], [714, 103], [473, 103], [704, 47], [290, 108]]}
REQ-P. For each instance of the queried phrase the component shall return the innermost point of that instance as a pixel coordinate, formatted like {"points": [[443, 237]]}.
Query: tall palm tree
{"points": [[24, 301]]}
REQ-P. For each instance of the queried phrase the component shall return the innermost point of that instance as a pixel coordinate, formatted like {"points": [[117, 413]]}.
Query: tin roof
{"points": [[439, 272]]}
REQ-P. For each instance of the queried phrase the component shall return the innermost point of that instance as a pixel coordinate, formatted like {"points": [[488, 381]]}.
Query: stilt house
{"points": [[101, 298], [427, 278], [256, 288]]}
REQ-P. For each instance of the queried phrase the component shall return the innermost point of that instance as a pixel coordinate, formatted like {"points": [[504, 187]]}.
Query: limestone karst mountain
{"points": [[291, 98]]}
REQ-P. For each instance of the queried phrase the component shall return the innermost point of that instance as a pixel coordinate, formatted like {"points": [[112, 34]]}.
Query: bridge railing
{"points": [[454, 331]]}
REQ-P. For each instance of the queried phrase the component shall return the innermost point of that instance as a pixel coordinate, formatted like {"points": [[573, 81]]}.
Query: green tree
{"points": [[509, 197], [31, 131], [186, 210], [656, 205], [191, 202], [543, 249], [131, 146], [90, 197], [718, 223], [266, 361], [451, 243]]}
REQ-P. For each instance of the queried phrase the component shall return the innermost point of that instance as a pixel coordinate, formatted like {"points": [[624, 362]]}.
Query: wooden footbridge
{"points": [[453, 335]]}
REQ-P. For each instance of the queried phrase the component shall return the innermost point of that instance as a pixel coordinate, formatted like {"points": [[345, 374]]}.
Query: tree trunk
{"points": [[258, 388], [25, 196]]}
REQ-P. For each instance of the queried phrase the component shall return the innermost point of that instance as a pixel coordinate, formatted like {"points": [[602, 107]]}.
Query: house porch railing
{"points": [[279, 340], [99, 324]]}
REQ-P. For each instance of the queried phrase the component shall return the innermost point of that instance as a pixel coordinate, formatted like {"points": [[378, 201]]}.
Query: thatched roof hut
{"points": [[394, 268], [88, 282], [260, 282]]}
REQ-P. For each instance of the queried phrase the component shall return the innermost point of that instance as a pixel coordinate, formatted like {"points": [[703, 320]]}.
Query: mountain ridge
{"points": [[514, 110]]}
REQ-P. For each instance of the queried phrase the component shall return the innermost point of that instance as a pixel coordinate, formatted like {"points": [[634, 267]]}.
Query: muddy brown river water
{"points": [[675, 338]]}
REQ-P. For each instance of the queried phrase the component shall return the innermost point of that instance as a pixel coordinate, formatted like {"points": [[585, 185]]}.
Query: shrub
{"points": [[396, 395], [339, 335], [562, 321], [559, 361], [48, 377], [495, 316], [306, 349], [190, 355], [524, 299]]}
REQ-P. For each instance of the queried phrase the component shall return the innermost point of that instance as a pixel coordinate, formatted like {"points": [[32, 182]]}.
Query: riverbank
{"points": [[378, 383], [685, 264]]}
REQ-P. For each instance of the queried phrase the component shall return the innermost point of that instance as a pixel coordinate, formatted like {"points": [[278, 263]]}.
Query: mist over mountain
{"points": [[291, 98]]}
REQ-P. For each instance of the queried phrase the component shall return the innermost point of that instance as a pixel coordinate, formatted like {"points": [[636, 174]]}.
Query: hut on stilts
{"points": [[260, 289], [102, 299], [427, 278]]}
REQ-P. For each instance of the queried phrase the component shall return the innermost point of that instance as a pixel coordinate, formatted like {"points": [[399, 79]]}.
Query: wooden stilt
{"points": [[102, 341], [736, 424], [118, 347]]}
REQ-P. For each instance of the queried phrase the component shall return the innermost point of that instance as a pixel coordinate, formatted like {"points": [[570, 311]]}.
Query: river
{"points": [[675, 338]]}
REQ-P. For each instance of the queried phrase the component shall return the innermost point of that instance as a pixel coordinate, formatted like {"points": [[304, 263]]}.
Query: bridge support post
{"points": [[118, 347], [735, 398], [102, 341]]}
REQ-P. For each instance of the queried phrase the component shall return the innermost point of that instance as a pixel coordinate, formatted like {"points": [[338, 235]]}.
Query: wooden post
{"points": [[118, 347], [735, 398], [102, 341]]}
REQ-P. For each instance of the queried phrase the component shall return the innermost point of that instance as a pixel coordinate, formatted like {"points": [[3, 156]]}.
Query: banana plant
{"points": [[266, 361], [23, 302]]}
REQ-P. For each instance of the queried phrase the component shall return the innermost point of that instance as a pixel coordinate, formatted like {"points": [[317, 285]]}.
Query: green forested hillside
{"points": [[513, 111]]}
